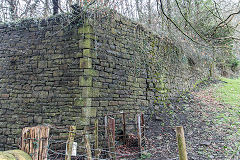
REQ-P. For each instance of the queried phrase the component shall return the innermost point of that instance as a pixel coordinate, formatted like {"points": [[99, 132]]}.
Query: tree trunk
{"points": [[197, 10], [149, 12], [46, 8], [169, 12], [55, 7], [139, 11], [13, 9]]}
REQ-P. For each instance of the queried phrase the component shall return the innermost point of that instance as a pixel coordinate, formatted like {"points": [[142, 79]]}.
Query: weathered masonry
{"points": [[53, 72]]}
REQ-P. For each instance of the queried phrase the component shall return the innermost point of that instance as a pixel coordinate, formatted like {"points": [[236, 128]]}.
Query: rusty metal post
{"points": [[97, 151], [111, 137], [124, 128]]}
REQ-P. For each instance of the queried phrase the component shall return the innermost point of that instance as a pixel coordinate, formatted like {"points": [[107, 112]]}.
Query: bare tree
{"points": [[55, 7], [139, 10], [13, 9], [169, 11], [46, 8], [149, 12]]}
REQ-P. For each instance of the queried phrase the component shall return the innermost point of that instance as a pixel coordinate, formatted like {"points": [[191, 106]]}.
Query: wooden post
{"points": [[87, 146], [71, 135], [45, 142], [35, 141], [181, 143]]}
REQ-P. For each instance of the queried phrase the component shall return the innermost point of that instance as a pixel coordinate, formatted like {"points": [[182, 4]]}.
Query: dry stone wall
{"points": [[53, 72]]}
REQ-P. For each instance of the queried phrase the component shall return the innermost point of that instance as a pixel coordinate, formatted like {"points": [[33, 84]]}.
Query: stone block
{"points": [[89, 111], [30, 119], [113, 103], [91, 72], [85, 81], [85, 44], [57, 56], [37, 119], [131, 78], [79, 55], [85, 29], [97, 84], [103, 103], [91, 36], [89, 92], [89, 53], [83, 102], [95, 103], [42, 94], [85, 63], [42, 64], [86, 92], [82, 121], [57, 73], [95, 92]]}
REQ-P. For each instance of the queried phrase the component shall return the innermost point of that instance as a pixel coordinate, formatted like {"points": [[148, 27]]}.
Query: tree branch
{"points": [[189, 22], [161, 6], [225, 22]]}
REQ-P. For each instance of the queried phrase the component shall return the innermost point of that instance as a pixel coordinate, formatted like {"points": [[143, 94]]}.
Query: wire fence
{"points": [[56, 150], [96, 142]]}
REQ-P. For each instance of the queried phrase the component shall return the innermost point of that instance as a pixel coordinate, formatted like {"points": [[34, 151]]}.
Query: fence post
{"points": [[97, 151], [181, 143], [35, 141], [112, 148], [71, 135], [87, 145], [124, 128], [139, 133], [106, 127], [111, 137]]}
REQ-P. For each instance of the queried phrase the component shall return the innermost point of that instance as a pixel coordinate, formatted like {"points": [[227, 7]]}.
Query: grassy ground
{"points": [[229, 94], [211, 119]]}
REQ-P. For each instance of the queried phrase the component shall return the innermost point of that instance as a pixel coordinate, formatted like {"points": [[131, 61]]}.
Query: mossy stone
{"points": [[85, 63], [14, 155], [83, 121], [83, 102], [85, 29], [85, 81], [89, 111], [85, 44], [91, 72]]}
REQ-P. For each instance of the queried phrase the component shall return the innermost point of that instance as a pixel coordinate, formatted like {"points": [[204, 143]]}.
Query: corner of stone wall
{"points": [[85, 99]]}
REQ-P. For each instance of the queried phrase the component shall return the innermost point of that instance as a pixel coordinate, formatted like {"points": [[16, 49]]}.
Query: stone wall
{"points": [[53, 72]]}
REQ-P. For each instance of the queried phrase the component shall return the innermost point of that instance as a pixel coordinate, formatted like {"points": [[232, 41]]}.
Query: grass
{"points": [[229, 92]]}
